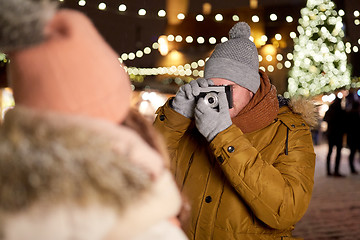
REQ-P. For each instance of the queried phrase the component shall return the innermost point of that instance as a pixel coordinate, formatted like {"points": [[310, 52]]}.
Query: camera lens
{"points": [[211, 99]]}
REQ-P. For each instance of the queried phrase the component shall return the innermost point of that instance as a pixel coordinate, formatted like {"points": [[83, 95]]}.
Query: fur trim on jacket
{"points": [[308, 109], [68, 177]]}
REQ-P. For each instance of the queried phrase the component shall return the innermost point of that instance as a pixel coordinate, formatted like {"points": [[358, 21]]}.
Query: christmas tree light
{"points": [[320, 60]]}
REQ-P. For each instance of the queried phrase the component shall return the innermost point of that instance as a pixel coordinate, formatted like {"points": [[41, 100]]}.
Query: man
{"points": [[352, 133], [335, 117], [247, 171]]}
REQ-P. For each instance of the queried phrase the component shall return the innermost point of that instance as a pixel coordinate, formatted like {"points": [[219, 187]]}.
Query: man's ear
{"points": [[251, 94]]}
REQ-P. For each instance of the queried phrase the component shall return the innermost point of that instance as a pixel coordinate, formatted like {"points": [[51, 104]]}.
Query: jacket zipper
{"points": [[287, 139]]}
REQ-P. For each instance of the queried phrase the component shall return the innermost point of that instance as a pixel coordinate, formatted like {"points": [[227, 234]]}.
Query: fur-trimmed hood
{"points": [[307, 108], [67, 177]]}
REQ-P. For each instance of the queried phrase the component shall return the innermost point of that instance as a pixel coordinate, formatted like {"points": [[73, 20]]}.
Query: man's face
{"points": [[241, 95]]}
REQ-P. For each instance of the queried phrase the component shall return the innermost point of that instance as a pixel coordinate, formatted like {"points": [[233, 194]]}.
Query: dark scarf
{"points": [[262, 108]]}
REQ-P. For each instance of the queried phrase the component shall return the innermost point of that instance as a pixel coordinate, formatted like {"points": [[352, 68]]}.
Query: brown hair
{"points": [[147, 132]]}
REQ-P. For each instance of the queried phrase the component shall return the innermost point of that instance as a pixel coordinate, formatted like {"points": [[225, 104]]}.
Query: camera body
{"points": [[210, 95]]}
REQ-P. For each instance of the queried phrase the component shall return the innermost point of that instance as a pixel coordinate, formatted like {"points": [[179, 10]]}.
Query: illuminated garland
{"points": [[161, 14], [270, 68], [192, 70], [187, 69]]}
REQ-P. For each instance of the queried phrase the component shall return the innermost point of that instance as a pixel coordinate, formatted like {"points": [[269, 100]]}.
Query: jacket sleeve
{"points": [[172, 126], [278, 193]]}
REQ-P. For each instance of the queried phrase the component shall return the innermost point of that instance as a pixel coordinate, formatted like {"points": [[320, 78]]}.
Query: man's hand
{"points": [[184, 101], [209, 121]]}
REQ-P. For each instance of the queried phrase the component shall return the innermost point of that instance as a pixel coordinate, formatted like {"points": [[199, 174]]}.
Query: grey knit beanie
{"points": [[236, 60]]}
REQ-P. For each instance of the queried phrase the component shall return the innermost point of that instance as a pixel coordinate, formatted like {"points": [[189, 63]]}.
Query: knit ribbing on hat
{"points": [[236, 59], [22, 22]]}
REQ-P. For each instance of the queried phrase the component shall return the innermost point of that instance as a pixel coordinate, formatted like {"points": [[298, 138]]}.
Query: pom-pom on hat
{"points": [[236, 60], [59, 62]]}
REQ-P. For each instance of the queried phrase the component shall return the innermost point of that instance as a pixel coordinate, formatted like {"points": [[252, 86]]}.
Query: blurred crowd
{"points": [[343, 130]]}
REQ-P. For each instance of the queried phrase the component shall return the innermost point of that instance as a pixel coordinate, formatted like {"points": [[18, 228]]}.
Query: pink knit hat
{"points": [[72, 70]]}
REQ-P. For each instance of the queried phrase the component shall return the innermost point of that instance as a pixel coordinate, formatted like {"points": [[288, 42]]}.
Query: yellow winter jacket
{"points": [[241, 186]]}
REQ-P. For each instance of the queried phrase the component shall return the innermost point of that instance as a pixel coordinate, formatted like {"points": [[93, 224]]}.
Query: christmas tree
{"points": [[320, 61]]}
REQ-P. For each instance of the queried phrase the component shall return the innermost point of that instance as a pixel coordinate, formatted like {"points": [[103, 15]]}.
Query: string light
{"points": [[181, 16], [102, 6], [189, 39], [201, 63], [194, 65], [292, 34], [82, 3], [200, 40], [199, 18], [132, 56], [178, 38], [155, 45], [264, 38], [235, 18], [270, 68], [212, 40], [181, 70], [147, 50], [142, 12], [273, 17], [171, 38], [139, 54], [224, 39], [124, 56], [122, 7], [219, 17], [255, 18], [268, 58], [162, 13], [287, 64]]}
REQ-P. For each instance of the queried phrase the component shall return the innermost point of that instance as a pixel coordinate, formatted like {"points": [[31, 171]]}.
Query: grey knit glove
{"points": [[184, 101], [210, 121]]}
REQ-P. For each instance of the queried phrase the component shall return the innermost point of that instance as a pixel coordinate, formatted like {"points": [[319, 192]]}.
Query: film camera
{"points": [[210, 95]]}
